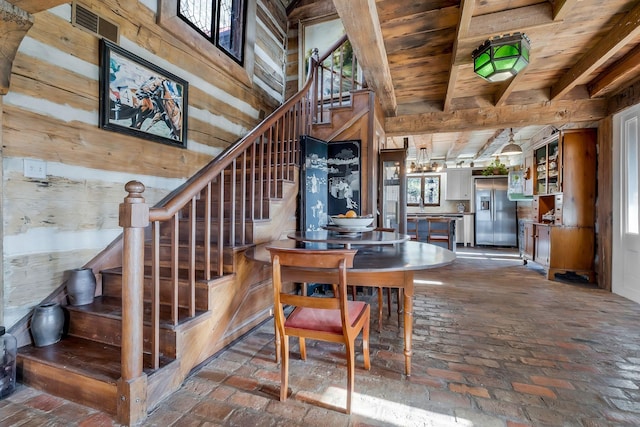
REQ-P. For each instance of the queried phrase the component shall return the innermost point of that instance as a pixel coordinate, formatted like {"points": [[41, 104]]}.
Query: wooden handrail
{"points": [[203, 216], [340, 83], [217, 165]]}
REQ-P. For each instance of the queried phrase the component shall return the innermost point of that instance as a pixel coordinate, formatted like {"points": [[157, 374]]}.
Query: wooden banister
{"points": [[134, 218], [199, 219]]}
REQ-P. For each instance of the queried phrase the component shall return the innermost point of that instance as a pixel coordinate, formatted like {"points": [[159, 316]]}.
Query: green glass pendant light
{"points": [[502, 57]]}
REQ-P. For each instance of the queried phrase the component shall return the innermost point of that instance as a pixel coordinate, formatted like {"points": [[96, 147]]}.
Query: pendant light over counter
{"points": [[511, 148]]}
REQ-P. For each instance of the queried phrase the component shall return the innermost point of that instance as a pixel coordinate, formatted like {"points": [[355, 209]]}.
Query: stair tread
{"points": [[110, 306], [165, 273], [85, 357]]}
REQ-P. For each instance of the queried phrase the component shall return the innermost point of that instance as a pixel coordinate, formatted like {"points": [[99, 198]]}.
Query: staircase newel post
{"points": [[132, 386]]}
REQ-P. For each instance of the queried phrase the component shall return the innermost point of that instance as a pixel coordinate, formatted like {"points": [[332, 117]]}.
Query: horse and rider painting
{"points": [[141, 99]]}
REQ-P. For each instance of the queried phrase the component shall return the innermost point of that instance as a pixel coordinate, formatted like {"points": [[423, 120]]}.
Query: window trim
{"points": [[422, 178], [169, 20]]}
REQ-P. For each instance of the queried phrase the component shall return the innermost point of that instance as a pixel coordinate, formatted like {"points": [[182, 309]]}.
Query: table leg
{"points": [[403, 280], [408, 321]]}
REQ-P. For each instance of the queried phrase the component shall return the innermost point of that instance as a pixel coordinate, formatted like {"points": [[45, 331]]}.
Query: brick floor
{"points": [[495, 344]]}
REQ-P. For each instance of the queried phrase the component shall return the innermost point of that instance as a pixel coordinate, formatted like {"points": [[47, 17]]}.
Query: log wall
{"points": [[50, 115]]}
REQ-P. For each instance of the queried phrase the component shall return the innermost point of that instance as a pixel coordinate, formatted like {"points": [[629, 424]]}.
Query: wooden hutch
{"points": [[560, 173]]}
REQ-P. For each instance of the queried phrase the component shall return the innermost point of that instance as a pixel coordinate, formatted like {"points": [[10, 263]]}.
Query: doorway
{"points": [[626, 204]]}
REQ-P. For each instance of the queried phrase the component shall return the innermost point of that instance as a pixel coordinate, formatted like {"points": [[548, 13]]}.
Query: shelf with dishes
{"points": [[547, 172], [560, 236]]}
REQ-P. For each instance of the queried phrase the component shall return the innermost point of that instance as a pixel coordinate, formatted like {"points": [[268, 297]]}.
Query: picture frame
{"points": [[140, 99]]}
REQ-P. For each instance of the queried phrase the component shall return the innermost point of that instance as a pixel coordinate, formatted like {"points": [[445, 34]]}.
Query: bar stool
{"points": [[438, 230]]}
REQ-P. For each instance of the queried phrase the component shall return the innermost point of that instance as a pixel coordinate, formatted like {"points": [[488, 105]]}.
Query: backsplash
{"points": [[446, 206]]}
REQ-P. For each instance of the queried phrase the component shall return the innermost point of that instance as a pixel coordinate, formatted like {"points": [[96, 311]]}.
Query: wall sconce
{"points": [[502, 57], [511, 148]]}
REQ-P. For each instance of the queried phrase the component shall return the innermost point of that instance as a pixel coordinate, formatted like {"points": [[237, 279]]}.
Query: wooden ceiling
{"points": [[416, 55]]}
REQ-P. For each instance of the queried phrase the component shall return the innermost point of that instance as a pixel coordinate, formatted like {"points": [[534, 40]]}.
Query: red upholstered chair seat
{"points": [[324, 320]]}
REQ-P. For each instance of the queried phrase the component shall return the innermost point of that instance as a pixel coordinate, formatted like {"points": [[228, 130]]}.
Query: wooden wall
{"points": [[50, 115]]}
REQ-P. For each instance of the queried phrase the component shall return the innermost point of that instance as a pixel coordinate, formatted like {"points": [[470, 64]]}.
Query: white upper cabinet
{"points": [[458, 184]]}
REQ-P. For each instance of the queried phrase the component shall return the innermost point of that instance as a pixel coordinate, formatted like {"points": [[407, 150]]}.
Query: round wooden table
{"points": [[382, 266], [348, 238]]}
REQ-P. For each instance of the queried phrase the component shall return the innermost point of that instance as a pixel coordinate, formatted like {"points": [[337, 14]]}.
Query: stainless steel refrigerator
{"points": [[496, 221]]}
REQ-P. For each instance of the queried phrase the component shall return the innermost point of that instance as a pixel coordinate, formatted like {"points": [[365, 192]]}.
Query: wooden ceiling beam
{"points": [[509, 21], [361, 22], [487, 26], [623, 33], [292, 6], [549, 113], [623, 71], [508, 87], [457, 147], [466, 13], [483, 150], [561, 8]]}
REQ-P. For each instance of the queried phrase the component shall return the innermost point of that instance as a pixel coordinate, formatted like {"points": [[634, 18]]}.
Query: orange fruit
{"points": [[340, 215], [351, 214]]}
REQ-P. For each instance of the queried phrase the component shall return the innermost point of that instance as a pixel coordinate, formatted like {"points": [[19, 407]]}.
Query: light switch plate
{"points": [[35, 169]]}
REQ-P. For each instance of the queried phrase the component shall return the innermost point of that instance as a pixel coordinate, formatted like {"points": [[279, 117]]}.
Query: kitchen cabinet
{"points": [[464, 230], [561, 249], [563, 223], [459, 231], [542, 244], [458, 184], [469, 229], [528, 240], [393, 189]]}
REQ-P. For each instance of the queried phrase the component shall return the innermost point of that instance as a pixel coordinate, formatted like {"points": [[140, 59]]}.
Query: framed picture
{"points": [[141, 99]]}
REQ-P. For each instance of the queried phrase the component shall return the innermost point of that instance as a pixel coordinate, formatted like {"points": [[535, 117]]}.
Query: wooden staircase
{"points": [[176, 287], [85, 366]]}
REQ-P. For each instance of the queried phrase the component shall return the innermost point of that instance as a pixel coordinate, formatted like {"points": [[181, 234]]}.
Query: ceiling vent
{"points": [[87, 20]]}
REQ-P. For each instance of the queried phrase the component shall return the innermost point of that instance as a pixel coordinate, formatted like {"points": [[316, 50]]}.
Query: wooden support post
{"points": [[134, 218]]}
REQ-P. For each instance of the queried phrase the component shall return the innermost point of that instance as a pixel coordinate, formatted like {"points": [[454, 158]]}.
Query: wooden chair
{"points": [[328, 319], [412, 228], [438, 231]]}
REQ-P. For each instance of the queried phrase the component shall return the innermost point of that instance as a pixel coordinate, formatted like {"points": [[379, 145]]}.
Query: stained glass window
{"points": [[220, 21]]}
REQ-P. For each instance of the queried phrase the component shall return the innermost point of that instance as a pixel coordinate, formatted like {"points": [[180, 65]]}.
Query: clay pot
{"points": [[81, 286], [47, 324]]}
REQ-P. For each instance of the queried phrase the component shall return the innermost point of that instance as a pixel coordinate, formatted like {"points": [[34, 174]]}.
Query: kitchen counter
{"points": [[462, 224], [418, 225], [436, 215]]}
